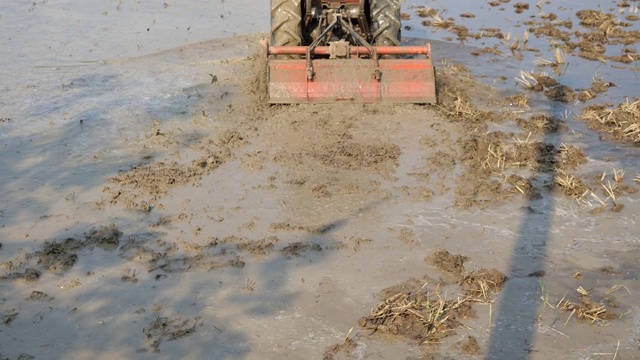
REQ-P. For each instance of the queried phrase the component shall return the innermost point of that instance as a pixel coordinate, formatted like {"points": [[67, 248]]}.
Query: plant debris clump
{"points": [[423, 315]]}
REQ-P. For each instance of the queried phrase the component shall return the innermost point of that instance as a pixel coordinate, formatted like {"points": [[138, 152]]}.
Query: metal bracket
{"points": [[315, 43], [339, 50], [377, 74]]}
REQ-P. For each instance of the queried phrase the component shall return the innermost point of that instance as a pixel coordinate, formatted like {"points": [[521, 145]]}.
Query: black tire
{"points": [[286, 22], [385, 22]]}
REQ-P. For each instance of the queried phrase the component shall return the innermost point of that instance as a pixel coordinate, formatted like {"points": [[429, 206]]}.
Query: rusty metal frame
{"points": [[401, 80]]}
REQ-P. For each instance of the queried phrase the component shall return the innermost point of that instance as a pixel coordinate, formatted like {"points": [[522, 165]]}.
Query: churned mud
{"points": [[155, 205]]}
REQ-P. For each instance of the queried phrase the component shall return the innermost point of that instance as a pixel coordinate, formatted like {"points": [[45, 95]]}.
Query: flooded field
{"points": [[152, 205]]}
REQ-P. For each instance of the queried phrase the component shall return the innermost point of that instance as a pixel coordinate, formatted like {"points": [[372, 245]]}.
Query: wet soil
{"points": [[156, 204]]}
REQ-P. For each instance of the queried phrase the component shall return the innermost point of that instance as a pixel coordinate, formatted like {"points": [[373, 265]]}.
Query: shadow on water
{"points": [[49, 180], [44, 173], [312, 249], [145, 318], [40, 169], [515, 320], [78, 126]]}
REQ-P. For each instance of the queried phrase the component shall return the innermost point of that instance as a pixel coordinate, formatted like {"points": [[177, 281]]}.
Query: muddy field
{"points": [[153, 206]]}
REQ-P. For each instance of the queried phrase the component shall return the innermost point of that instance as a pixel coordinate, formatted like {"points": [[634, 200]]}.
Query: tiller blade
{"points": [[358, 76]]}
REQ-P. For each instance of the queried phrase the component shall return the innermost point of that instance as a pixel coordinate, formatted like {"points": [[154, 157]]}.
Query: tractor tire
{"points": [[385, 22], [286, 22]]}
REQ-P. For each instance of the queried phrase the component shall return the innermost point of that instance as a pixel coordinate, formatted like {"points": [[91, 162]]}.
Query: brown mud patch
{"points": [[470, 346], [28, 274], [587, 306], [597, 192], [59, 256], [542, 124], [497, 161], [39, 296], [284, 226], [353, 156], [347, 346], [142, 186], [420, 315], [164, 328], [620, 123], [163, 257], [478, 284], [321, 153], [8, 316], [483, 283], [495, 158], [423, 314], [447, 262], [259, 248], [588, 310], [297, 249]]}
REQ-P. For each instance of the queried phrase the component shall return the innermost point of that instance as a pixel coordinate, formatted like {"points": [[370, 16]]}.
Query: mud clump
{"points": [[620, 123], [480, 284], [163, 328], [57, 257], [542, 124], [571, 186], [206, 262], [570, 157], [60, 256], [585, 193], [470, 346], [491, 157], [107, 237], [353, 156], [39, 296], [601, 86], [550, 31], [347, 346], [28, 275], [419, 315], [486, 50], [414, 311], [523, 186], [297, 249], [258, 248], [519, 100], [483, 283], [407, 287], [284, 226], [445, 261], [587, 309], [594, 18], [8, 316], [183, 257], [561, 93], [142, 186], [520, 7]]}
